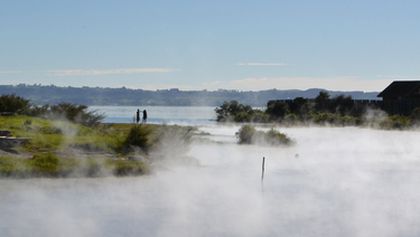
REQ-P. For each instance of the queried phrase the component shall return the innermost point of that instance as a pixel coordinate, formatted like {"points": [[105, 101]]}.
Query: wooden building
{"points": [[401, 97]]}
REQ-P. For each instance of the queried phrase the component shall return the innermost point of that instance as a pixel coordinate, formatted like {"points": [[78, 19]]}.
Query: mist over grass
{"points": [[332, 182]]}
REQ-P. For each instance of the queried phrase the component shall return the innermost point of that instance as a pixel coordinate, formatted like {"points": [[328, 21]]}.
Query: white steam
{"points": [[332, 182]]}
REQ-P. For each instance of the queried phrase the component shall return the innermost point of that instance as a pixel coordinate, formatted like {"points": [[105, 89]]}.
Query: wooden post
{"points": [[262, 170]]}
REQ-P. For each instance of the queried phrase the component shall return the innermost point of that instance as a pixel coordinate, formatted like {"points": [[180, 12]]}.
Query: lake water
{"points": [[333, 182], [181, 115]]}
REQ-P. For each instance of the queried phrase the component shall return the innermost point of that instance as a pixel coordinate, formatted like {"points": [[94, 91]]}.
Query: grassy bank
{"points": [[59, 148]]}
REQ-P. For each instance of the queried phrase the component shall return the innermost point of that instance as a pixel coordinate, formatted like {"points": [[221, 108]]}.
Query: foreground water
{"points": [[334, 182]]}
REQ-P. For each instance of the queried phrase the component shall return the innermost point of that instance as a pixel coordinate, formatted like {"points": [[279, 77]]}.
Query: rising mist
{"points": [[332, 182]]}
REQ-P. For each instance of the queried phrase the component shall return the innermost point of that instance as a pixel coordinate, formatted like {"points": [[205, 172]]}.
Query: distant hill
{"points": [[172, 97]]}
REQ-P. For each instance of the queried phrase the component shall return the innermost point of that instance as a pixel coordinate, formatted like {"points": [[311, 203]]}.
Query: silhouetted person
{"points": [[144, 116], [138, 116]]}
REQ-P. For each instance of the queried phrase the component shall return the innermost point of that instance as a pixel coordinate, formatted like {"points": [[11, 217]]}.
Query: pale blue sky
{"points": [[358, 44]]}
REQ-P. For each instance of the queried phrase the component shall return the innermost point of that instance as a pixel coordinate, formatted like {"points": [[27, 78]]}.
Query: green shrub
{"points": [[246, 134], [7, 166], [259, 116], [323, 118], [242, 117], [273, 137], [127, 167], [76, 113], [45, 164], [139, 136], [291, 118], [396, 122], [233, 111], [13, 104], [277, 109]]}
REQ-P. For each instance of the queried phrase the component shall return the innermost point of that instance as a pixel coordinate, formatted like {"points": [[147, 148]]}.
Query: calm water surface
{"points": [[182, 115]]}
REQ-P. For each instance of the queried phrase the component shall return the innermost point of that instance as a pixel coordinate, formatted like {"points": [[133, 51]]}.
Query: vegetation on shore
{"points": [[67, 140], [66, 149], [323, 110]]}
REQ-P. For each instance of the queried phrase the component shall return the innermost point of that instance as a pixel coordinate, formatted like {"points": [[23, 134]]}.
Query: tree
{"points": [[341, 104], [76, 113], [14, 104], [322, 101], [276, 109], [234, 111]]}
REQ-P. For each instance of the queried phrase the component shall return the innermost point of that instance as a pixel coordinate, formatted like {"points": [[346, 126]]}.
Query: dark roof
{"points": [[401, 89]]}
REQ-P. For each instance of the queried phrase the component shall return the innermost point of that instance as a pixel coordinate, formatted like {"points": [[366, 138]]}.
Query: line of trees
{"points": [[16, 105], [324, 109]]}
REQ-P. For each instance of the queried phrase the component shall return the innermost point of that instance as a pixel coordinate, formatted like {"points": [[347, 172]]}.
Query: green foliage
{"points": [[277, 109], [138, 136], [13, 104], [396, 122], [322, 101], [8, 166], [63, 149], [247, 134], [50, 165], [273, 137], [299, 107], [233, 111], [340, 110], [259, 116], [45, 164], [76, 113], [127, 167]]}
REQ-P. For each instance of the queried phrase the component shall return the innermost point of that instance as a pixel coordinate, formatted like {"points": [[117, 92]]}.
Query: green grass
{"points": [[50, 165], [61, 148]]}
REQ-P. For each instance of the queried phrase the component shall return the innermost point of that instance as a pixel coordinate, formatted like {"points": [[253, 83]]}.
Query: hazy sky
{"points": [[358, 44]]}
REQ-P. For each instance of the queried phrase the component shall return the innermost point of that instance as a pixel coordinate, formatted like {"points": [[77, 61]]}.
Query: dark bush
{"points": [[276, 109], [246, 134], [76, 113], [273, 137], [139, 136], [45, 164], [415, 115], [234, 111], [396, 122], [14, 104], [322, 101], [341, 104], [127, 167]]}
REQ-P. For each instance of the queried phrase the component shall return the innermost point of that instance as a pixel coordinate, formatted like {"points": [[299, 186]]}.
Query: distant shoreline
{"points": [[96, 96]]}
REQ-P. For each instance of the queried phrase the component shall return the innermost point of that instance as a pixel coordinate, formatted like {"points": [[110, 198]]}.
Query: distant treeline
{"points": [[323, 109], [40, 95]]}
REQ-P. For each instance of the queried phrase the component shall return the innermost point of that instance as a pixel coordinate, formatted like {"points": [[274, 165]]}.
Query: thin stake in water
{"points": [[263, 169]]}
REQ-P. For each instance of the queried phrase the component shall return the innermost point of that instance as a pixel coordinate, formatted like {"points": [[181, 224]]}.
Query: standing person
{"points": [[138, 116], [144, 116]]}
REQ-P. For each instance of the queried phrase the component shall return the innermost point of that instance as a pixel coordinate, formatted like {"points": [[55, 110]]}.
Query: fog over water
{"points": [[333, 182]]}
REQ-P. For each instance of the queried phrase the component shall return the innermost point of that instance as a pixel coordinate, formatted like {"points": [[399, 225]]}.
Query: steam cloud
{"points": [[333, 182]]}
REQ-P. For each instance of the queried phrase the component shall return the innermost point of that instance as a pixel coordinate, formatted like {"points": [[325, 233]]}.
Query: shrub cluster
{"points": [[341, 110], [12, 104], [50, 165], [247, 134]]}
